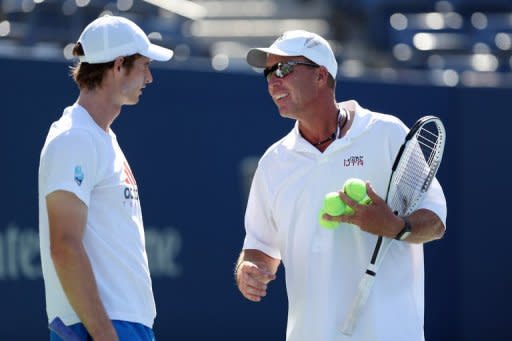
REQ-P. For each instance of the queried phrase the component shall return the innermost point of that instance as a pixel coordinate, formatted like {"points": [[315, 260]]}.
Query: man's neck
{"points": [[100, 107], [320, 124]]}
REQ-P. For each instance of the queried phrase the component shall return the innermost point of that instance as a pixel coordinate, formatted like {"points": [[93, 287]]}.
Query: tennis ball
{"points": [[333, 205], [331, 225], [355, 189]]}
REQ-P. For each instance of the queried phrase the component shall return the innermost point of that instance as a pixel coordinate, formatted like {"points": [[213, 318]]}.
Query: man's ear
{"points": [[323, 74], [118, 63]]}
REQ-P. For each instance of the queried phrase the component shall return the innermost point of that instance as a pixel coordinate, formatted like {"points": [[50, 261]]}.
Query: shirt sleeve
{"points": [[435, 201], [261, 232], [68, 163]]}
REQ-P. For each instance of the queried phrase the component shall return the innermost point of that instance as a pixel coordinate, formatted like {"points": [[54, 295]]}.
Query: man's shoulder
{"points": [[378, 117], [68, 134], [67, 143], [279, 147], [367, 119], [75, 124]]}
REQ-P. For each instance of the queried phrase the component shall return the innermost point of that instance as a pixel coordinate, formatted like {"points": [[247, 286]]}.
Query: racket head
{"points": [[416, 165]]}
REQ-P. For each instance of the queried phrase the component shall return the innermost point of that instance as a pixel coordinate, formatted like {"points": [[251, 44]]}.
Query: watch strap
{"points": [[406, 231]]}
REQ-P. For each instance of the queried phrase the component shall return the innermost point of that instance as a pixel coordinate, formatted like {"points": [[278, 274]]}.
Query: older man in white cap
{"points": [[330, 143], [93, 253]]}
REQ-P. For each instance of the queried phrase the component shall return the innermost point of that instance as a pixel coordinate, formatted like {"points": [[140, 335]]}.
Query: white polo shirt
{"points": [[81, 158], [323, 267]]}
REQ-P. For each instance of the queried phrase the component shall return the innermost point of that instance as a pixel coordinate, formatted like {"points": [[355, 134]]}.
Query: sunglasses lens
{"points": [[284, 69], [267, 72], [279, 69]]}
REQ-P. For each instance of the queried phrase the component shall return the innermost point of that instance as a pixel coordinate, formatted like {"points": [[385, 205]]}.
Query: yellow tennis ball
{"points": [[331, 225], [333, 205], [355, 189]]}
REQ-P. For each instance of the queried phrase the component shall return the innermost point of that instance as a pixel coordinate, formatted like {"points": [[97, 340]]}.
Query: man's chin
{"points": [[282, 111], [286, 114], [132, 101]]}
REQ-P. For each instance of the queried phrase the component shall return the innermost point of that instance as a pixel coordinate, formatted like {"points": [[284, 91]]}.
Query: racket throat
{"points": [[371, 272]]}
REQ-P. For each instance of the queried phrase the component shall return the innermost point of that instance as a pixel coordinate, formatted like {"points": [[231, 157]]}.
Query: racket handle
{"points": [[63, 331], [363, 291]]}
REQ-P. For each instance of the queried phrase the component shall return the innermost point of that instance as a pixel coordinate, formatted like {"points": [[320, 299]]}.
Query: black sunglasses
{"points": [[281, 70]]}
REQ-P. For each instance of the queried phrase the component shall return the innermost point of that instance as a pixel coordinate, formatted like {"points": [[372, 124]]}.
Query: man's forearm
{"points": [[426, 226], [77, 279]]}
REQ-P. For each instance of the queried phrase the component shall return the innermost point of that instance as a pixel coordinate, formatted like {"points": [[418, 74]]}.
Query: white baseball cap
{"points": [[297, 43], [109, 37]]}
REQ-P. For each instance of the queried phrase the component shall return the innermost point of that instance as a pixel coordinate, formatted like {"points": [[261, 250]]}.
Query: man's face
{"points": [[296, 91], [135, 80]]}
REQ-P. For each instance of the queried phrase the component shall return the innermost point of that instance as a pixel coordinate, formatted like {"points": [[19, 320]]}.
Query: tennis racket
{"points": [[415, 167], [63, 331]]}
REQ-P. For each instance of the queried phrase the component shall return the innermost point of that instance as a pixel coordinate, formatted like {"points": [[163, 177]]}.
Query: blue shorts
{"points": [[126, 331]]}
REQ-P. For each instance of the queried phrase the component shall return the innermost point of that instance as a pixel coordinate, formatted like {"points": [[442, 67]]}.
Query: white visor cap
{"points": [[109, 37], [297, 43]]}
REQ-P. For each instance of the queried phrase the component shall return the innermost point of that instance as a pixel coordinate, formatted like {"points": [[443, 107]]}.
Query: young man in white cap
{"points": [[330, 143], [90, 222]]}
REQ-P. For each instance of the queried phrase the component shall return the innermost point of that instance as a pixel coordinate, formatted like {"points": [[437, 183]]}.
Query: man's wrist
{"points": [[237, 267], [405, 231]]}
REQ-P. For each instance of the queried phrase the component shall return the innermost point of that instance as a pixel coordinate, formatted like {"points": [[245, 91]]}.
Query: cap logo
{"points": [[281, 37], [311, 42]]}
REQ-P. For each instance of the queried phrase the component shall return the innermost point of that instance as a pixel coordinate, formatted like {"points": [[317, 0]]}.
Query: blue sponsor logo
{"points": [[79, 175]]}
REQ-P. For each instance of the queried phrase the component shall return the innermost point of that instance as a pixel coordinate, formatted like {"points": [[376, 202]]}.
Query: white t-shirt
{"points": [[323, 267], [79, 157]]}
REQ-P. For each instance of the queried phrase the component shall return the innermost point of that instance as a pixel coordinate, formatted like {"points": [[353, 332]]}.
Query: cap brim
{"points": [[159, 53], [257, 57]]}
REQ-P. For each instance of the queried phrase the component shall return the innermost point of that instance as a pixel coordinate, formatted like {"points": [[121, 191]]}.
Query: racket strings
{"points": [[418, 162], [427, 136], [435, 136], [431, 137], [405, 184]]}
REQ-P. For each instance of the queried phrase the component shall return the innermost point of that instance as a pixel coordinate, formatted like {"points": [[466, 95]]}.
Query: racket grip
{"points": [[63, 331], [363, 292]]}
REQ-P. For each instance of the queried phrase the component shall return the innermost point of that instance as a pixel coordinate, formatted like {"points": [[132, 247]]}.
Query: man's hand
{"points": [[252, 279], [376, 218], [254, 270]]}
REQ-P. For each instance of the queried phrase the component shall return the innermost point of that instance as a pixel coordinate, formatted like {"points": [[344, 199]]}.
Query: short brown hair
{"points": [[89, 76]]}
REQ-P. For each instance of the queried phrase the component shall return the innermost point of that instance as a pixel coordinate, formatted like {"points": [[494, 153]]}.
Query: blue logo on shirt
{"points": [[79, 175]]}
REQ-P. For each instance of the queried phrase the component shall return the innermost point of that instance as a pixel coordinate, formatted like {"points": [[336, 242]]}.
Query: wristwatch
{"points": [[406, 231]]}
